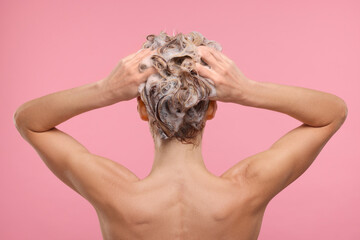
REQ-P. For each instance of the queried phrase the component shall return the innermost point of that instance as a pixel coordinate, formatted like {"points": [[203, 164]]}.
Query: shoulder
{"points": [[98, 178]]}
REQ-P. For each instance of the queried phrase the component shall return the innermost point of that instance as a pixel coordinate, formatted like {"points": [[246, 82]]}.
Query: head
{"points": [[175, 101]]}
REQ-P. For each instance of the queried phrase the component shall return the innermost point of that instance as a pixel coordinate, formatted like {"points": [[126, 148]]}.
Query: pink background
{"points": [[48, 46]]}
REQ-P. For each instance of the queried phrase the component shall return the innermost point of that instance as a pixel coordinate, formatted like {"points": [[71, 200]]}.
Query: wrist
{"points": [[106, 95], [246, 92]]}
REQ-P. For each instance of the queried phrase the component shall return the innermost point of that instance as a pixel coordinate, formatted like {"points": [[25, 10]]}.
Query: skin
{"points": [[180, 198]]}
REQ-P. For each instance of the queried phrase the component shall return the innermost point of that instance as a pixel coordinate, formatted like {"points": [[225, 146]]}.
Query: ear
{"points": [[141, 108], [210, 113]]}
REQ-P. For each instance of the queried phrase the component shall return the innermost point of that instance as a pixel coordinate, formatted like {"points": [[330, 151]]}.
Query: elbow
{"points": [[342, 112], [16, 120], [19, 125]]}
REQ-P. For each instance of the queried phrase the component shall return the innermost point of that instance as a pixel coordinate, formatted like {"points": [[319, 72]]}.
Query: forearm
{"points": [[312, 107], [44, 113]]}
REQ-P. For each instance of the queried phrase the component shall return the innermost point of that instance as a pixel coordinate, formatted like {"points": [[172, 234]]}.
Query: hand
{"points": [[123, 82], [229, 81]]}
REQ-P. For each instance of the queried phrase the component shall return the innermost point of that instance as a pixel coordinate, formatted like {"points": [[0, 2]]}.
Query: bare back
{"points": [[199, 205], [195, 206]]}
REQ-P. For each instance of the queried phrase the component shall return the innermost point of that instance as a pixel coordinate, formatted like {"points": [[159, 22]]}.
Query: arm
{"points": [[88, 174], [44, 113], [268, 172], [272, 170], [69, 160], [312, 107], [288, 158]]}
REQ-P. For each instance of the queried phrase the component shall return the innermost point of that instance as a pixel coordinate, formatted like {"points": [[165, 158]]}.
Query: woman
{"points": [[180, 198]]}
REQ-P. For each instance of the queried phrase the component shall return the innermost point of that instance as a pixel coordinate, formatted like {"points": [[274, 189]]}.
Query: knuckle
{"points": [[133, 71], [125, 63], [220, 81], [229, 67], [223, 70], [202, 69], [230, 61], [205, 54], [217, 79]]}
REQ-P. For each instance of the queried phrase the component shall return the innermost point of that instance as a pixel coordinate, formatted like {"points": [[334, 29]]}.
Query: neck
{"points": [[174, 157]]}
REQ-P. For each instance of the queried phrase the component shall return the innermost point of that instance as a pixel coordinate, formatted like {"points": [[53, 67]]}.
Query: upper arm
{"points": [[269, 172], [90, 175]]}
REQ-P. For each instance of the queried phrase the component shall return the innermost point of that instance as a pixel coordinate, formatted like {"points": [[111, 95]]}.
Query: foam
{"points": [[171, 94]]}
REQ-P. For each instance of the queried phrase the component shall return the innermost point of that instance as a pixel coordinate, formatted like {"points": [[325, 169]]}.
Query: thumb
{"points": [[149, 71]]}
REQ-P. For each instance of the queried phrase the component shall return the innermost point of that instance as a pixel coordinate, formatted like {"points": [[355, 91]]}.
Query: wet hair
{"points": [[176, 97]]}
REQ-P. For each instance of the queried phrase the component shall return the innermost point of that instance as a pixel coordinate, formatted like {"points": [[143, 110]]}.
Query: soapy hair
{"points": [[176, 97]]}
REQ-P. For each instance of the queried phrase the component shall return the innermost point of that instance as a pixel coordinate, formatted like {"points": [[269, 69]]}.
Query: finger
{"points": [[147, 73], [143, 54], [204, 71], [219, 56], [136, 54], [151, 70], [208, 57], [215, 53], [129, 57]]}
